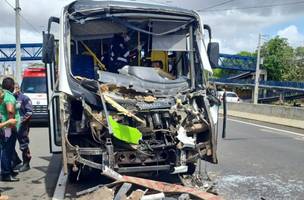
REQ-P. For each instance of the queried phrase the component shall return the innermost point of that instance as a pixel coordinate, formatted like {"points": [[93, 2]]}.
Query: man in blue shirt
{"points": [[25, 110]]}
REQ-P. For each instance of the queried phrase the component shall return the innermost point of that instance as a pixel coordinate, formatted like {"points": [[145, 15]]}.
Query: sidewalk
{"points": [[269, 119]]}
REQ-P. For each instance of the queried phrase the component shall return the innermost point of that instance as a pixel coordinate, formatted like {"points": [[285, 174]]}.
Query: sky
{"points": [[235, 23]]}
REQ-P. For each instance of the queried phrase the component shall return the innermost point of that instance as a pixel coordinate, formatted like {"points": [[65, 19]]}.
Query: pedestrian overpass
{"points": [[33, 51]]}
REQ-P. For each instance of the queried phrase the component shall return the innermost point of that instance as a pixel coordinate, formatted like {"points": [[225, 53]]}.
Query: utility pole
{"points": [[18, 48], [257, 73]]}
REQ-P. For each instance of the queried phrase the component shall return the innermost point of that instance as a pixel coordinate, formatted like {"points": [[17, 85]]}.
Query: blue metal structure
{"points": [[286, 85], [237, 62], [30, 51], [248, 64]]}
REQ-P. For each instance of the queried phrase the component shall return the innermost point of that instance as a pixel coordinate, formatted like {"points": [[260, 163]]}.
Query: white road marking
{"points": [[60, 186], [299, 138], [267, 127], [269, 131]]}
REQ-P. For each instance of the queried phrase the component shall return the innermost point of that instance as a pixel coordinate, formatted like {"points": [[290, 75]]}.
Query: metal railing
{"points": [[287, 85]]}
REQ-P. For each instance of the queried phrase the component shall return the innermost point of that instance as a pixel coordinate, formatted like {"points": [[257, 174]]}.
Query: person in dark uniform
{"points": [[26, 112], [118, 52]]}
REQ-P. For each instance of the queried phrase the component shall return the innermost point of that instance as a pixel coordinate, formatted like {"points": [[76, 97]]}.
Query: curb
{"points": [[269, 119]]}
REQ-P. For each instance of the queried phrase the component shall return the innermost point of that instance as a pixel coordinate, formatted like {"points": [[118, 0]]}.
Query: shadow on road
{"points": [[52, 172], [39, 124], [4, 189]]}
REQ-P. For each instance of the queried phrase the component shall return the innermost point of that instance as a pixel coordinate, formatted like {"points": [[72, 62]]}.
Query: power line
{"points": [[26, 20], [9, 4], [254, 7], [219, 4]]}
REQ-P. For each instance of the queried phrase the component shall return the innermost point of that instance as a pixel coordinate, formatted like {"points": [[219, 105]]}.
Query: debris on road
{"points": [[104, 192], [134, 188]]}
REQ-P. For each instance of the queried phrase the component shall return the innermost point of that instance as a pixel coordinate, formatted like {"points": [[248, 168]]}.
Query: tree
{"points": [[299, 52], [296, 72], [278, 58]]}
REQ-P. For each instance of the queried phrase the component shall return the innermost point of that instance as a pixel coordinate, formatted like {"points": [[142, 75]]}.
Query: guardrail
{"points": [[298, 86], [268, 110]]}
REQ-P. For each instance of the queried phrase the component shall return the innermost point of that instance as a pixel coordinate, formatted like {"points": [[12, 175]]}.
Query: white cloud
{"points": [[237, 30], [8, 36], [295, 38]]}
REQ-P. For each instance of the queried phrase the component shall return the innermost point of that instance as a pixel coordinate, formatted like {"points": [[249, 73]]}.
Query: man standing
{"points": [[8, 111], [25, 111], [119, 52]]}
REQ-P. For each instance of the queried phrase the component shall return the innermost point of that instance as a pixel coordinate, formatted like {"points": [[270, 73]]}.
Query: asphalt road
{"points": [[39, 182], [255, 162]]}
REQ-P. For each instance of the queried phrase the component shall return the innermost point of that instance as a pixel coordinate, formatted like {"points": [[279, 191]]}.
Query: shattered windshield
{"points": [[145, 53]]}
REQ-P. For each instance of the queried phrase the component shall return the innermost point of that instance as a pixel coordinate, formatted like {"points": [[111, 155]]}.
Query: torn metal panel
{"points": [[170, 188], [122, 191], [122, 109], [186, 141], [144, 79]]}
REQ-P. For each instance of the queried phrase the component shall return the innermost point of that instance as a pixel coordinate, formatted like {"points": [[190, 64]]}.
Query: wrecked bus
{"points": [[154, 111]]}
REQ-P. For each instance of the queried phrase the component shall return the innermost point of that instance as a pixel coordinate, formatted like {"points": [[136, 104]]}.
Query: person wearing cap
{"points": [[6, 139], [26, 111]]}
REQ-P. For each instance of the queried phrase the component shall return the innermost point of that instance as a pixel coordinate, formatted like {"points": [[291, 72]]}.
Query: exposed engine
{"points": [[147, 132]]}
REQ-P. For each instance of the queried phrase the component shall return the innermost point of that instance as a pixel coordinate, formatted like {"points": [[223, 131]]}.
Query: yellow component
{"points": [[99, 63], [121, 109], [161, 56], [178, 102]]}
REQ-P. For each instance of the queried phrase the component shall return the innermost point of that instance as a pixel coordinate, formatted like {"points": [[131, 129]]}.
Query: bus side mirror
{"points": [[213, 51], [48, 48]]}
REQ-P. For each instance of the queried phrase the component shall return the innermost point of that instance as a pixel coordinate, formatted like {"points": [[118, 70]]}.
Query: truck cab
{"points": [[34, 86], [147, 109]]}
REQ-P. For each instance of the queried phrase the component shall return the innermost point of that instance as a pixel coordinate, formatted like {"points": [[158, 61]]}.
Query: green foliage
{"points": [[299, 52], [217, 73], [278, 58], [281, 61], [244, 64], [246, 53], [296, 72]]}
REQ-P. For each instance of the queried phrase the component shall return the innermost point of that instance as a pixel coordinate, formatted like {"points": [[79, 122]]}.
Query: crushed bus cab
{"points": [[128, 86]]}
